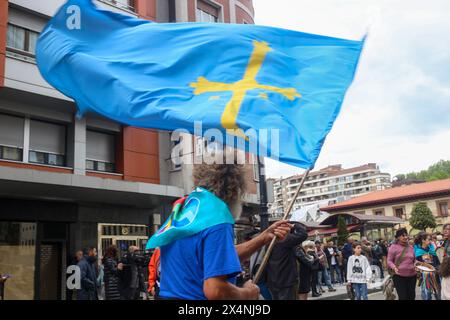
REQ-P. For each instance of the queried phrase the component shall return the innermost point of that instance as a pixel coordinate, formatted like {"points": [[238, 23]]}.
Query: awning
{"points": [[330, 231]]}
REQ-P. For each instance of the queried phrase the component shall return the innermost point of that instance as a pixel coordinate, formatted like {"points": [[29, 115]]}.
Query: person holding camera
{"points": [[131, 275]]}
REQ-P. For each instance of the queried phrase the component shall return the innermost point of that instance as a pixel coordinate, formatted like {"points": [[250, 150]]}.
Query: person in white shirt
{"points": [[359, 272]]}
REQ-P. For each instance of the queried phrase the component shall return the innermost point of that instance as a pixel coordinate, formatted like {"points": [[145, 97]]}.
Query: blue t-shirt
{"points": [[188, 262]]}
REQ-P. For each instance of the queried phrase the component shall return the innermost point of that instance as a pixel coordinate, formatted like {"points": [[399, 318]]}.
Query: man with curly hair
{"points": [[203, 264]]}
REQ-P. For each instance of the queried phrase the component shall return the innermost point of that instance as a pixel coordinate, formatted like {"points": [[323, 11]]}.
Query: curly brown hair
{"points": [[110, 252], [226, 181]]}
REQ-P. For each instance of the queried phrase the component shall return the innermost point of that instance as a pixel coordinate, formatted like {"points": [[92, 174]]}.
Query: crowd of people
{"points": [[299, 267], [205, 262], [116, 278]]}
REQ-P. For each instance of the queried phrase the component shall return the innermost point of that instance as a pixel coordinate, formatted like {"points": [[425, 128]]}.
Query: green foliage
{"points": [[422, 217], [342, 232], [437, 171]]}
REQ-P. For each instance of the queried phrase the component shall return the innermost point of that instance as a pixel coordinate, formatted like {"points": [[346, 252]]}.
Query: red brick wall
{"points": [[242, 15], [34, 167], [146, 9], [249, 5], [140, 155], [104, 175], [191, 10], [138, 149], [3, 28], [226, 9], [249, 178]]}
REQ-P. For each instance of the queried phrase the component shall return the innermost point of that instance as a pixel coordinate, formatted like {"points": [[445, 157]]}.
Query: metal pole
{"points": [[263, 214], [285, 217]]}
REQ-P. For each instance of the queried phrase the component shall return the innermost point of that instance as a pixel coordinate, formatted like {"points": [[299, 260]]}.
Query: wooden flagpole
{"points": [[285, 217]]}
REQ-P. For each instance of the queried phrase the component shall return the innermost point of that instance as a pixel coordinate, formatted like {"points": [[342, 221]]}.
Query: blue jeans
{"points": [[360, 291], [335, 268], [324, 277]]}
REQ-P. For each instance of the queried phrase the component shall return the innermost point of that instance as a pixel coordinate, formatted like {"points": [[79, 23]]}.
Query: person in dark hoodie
{"points": [[281, 272], [88, 279]]}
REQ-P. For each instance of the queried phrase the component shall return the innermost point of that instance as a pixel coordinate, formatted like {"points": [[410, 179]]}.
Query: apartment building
{"points": [[67, 183], [328, 186]]}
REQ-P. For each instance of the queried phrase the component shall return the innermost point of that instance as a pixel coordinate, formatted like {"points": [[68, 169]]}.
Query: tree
{"points": [[422, 217], [342, 232], [437, 171]]}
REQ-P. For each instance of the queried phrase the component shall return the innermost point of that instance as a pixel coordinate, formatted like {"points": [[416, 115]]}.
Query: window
{"points": [[177, 151], [206, 12], [378, 212], [443, 209], [11, 137], [47, 143], [21, 40], [123, 4], [399, 212], [100, 151], [255, 167]]}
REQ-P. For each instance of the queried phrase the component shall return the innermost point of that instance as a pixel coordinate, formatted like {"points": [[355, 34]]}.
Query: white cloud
{"points": [[397, 112]]}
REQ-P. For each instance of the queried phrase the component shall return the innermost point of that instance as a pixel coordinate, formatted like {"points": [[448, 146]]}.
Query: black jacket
{"points": [[306, 261], [327, 253], [281, 271], [132, 275], [316, 264], [111, 279]]}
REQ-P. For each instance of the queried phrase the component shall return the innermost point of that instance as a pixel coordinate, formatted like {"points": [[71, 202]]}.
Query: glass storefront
{"points": [[17, 259]]}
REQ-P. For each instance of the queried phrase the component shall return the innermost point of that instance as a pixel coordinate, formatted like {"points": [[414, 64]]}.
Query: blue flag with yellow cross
{"points": [[240, 79]]}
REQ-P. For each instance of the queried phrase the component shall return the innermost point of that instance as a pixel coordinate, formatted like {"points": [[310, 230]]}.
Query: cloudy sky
{"points": [[397, 112]]}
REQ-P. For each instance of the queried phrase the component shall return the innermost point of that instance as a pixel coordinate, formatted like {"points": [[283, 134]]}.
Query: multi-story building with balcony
{"points": [[67, 183], [328, 186]]}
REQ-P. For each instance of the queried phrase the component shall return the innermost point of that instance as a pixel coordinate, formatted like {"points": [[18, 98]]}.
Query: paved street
{"points": [[380, 296], [341, 294]]}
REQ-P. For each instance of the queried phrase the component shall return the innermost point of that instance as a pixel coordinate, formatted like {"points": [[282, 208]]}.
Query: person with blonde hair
{"points": [[306, 261]]}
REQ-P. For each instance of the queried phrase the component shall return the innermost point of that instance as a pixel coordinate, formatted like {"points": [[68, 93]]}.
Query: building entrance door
{"points": [[50, 256], [122, 236]]}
